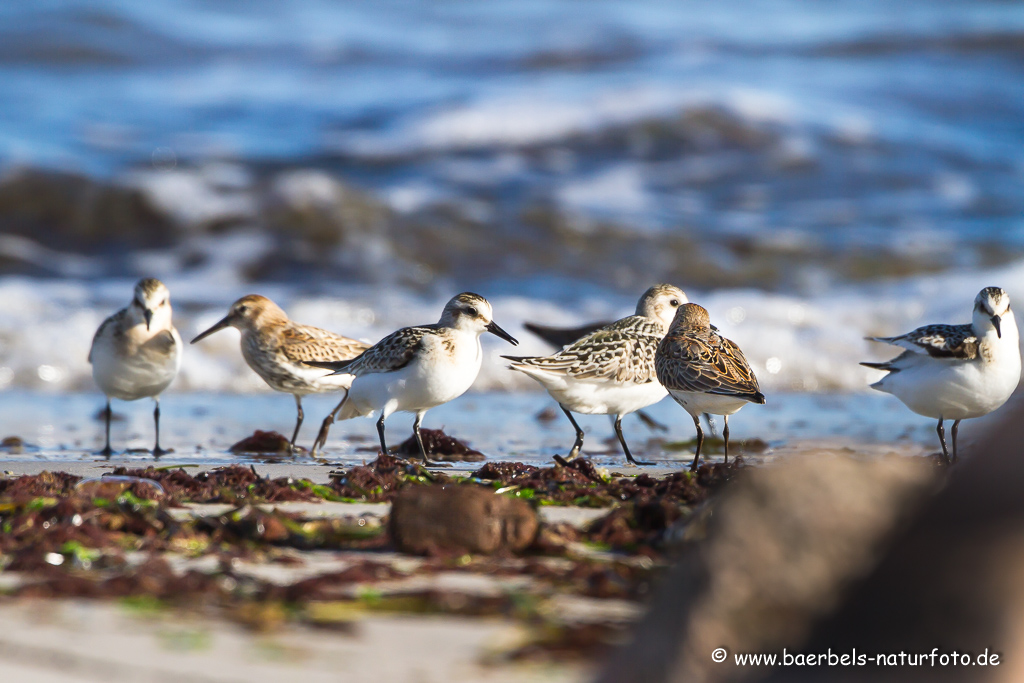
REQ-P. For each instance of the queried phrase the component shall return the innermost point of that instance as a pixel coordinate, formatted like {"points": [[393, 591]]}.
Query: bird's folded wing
{"points": [[391, 353], [938, 341], [707, 364], [301, 343], [111, 320], [622, 351]]}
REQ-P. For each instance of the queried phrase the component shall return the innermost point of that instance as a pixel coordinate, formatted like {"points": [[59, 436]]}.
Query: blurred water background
{"points": [[810, 172]]}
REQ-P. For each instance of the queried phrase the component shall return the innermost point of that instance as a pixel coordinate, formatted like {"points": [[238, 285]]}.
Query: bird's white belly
{"points": [[953, 391], [696, 403], [425, 383], [605, 398], [294, 378], [134, 377]]}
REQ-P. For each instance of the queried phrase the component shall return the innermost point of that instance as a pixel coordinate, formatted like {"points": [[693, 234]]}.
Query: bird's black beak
{"points": [[219, 325], [148, 314], [995, 323], [493, 328]]}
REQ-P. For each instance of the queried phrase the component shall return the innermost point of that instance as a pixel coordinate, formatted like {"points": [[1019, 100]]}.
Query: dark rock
{"points": [[782, 547], [950, 579], [433, 519], [69, 211]]}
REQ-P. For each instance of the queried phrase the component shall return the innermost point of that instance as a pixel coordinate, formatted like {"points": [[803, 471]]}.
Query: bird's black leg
{"points": [[419, 439], [956, 425], [321, 437], [157, 451], [380, 433], [298, 421], [942, 440], [700, 442], [622, 440], [578, 444], [107, 416], [725, 435]]}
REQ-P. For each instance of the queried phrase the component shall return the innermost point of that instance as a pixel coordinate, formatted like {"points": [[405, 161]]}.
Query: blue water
{"points": [[201, 427], [779, 137], [886, 122]]}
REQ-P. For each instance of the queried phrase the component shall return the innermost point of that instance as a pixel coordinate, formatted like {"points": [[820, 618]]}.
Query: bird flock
{"points": [[668, 347]]}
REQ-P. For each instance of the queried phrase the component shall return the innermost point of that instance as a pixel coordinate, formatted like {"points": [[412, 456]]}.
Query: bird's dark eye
{"points": [[243, 309], [471, 310], [674, 302]]}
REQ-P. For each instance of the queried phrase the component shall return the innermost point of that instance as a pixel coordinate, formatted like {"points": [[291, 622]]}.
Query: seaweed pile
{"points": [[577, 482], [145, 534]]}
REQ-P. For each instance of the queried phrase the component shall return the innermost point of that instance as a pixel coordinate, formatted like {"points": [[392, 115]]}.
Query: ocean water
{"points": [[812, 173], [200, 427]]}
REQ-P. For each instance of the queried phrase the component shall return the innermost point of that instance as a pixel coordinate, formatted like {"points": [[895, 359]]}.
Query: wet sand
{"points": [[76, 641]]}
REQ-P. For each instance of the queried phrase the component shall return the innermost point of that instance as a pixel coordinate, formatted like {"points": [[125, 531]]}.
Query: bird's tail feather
{"points": [[336, 365]]}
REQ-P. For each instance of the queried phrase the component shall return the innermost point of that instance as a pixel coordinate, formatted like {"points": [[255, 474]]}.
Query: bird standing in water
{"points": [[956, 372], [136, 353], [704, 372], [277, 349], [611, 370], [416, 368]]}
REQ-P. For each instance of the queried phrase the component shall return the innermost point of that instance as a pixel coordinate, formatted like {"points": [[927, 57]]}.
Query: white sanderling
{"points": [[416, 368], [276, 348], [137, 352], [609, 371], [704, 372], [560, 337], [955, 372]]}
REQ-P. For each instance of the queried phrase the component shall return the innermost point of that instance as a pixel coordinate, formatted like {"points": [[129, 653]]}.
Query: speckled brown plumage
{"points": [[279, 350], [694, 357]]}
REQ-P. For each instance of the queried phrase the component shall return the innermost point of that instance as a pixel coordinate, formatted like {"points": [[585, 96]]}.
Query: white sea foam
{"points": [[194, 198], [618, 192], [539, 116], [808, 343]]}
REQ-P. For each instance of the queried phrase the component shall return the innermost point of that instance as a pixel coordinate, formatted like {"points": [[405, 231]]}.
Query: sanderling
{"points": [[416, 368], [609, 371], [955, 372], [276, 348], [560, 337], [704, 372], [137, 352]]}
